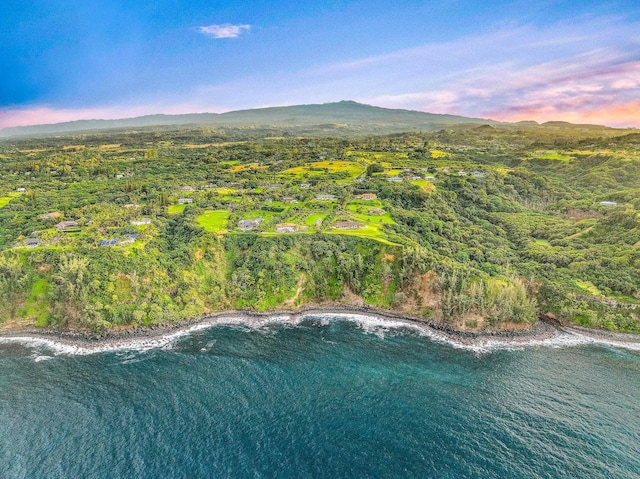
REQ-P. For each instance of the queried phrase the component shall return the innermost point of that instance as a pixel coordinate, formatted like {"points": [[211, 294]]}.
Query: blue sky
{"points": [[72, 59]]}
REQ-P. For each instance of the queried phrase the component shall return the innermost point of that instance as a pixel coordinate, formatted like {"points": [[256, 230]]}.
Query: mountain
{"points": [[346, 116]]}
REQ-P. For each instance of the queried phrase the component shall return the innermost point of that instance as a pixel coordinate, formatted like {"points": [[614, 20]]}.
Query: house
{"points": [[376, 211], [323, 197], [305, 186], [21, 190], [416, 178], [479, 174], [286, 228], [109, 242], [52, 215], [208, 186], [248, 225], [289, 199], [141, 221], [367, 196], [119, 176], [187, 189], [430, 178], [128, 238], [347, 225], [131, 205], [608, 203], [63, 225], [185, 201], [31, 242], [394, 179], [462, 173]]}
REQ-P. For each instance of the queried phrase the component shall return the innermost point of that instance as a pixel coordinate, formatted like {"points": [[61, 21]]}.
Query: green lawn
{"points": [[588, 286], [5, 200], [214, 221], [313, 217], [360, 213], [36, 304], [318, 168], [369, 231], [552, 155], [176, 209], [426, 185]]}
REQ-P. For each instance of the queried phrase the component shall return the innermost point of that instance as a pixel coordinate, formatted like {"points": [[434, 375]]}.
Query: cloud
{"points": [[45, 114], [225, 30], [586, 71]]}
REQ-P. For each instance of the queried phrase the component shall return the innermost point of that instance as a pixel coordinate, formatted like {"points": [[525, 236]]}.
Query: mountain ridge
{"points": [[336, 118], [355, 115]]}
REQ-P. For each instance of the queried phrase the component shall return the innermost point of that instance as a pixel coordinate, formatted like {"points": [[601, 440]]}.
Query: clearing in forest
{"points": [[214, 221]]}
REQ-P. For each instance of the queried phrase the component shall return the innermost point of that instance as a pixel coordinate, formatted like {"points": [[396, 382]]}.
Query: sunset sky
{"points": [[577, 61]]}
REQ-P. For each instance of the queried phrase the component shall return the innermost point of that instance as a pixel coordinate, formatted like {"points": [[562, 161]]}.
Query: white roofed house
{"points": [[367, 196], [32, 242], [325, 197], [286, 228], [395, 179], [141, 221], [185, 201], [63, 225], [376, 211], [187, 189], [249, 225], [347, 225], [608, 203]]}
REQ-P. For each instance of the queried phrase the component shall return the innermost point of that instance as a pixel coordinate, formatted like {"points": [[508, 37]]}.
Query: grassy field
{"points": [[551, 155], [439, 154], [214, 221], [588, 286], [265, 215], [426, 185], [369, 231], [36, 304], [227, 191], [385, 158], [250, 166], [5, 200], [319, 168], [175, 209], [311, 219]]}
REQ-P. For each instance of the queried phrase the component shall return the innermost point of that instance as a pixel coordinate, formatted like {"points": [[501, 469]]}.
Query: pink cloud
{"points": [[39, 115]]}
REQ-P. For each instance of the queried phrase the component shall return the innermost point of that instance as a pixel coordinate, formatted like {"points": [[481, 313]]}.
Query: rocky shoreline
{"points": [[545, 330]]}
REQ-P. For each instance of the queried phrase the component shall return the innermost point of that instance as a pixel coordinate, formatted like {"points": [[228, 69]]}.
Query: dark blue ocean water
{"points": [[321, 401]]}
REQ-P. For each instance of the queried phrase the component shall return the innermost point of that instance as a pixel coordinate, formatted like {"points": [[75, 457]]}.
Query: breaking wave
{"points": [[369, 324]]}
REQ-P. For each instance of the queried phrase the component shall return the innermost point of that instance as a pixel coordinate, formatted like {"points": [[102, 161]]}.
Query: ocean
{"points": [[327, 397]]}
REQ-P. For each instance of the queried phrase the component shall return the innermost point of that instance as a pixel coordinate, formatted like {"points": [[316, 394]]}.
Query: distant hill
{"points": [[345, 116]]}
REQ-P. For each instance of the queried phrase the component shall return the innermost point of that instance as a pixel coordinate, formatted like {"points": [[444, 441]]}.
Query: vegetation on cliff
{"points": [[474, 226]]}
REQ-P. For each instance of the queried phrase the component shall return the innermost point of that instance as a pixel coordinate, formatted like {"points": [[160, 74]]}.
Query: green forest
{"points": [[478, 227]]}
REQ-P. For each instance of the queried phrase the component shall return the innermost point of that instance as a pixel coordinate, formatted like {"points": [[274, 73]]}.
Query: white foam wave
{"points": [[369, 324]]}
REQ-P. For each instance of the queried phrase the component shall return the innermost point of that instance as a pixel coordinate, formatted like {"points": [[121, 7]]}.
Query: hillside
{"points": [[345, 117]]}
